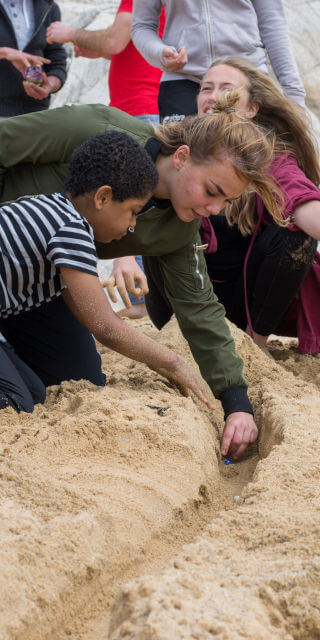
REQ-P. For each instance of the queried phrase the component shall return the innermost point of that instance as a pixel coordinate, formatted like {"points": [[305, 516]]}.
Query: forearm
{"points": [[100, 42], [114, 333], [275, 37], [307, 218], [133, 344], [144, 31]]}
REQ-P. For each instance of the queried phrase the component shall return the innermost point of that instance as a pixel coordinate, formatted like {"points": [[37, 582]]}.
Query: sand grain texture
{"points": [[97, 488]]}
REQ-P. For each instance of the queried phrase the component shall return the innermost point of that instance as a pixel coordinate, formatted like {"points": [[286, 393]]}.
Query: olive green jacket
{"points": [[34, 153]]}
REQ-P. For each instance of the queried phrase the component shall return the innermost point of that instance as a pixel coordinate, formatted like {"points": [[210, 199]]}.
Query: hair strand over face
{"points": [[227, 133]]}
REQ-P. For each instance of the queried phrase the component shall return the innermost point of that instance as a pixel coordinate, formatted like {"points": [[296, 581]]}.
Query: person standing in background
{"points": [[198, 32], [133, 86], [23, 25]]}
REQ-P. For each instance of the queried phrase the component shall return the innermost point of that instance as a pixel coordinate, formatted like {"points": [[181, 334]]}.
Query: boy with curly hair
{"points": [[51, 299]]}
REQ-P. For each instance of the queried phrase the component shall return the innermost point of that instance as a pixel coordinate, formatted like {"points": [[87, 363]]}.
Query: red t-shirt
{"points": [[133, 82]]}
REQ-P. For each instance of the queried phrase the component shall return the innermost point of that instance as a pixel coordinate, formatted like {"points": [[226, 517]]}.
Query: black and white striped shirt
{"points": [[39, 235]]}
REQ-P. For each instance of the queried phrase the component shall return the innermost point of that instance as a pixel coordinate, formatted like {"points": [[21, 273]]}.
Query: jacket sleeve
{"points": [[202, 321], [56, 51], [144, 31], [50, 135], [40, 144], [275, 37]]}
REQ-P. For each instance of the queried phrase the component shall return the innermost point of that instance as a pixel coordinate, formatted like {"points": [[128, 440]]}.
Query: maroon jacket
{"points": [[303, 317]]}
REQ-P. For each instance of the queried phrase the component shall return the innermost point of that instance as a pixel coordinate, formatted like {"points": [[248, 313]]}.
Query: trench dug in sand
{"points": [[97, 489]]}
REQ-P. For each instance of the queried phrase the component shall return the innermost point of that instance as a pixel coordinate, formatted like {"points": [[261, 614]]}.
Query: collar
{"points": [[153, 147]]}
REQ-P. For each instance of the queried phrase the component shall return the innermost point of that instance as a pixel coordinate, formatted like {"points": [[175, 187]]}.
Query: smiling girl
{"points": [[267, 275]]}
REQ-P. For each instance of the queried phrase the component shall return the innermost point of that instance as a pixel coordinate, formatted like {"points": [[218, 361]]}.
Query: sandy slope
{"points": [[96, 488], [255, 572]]}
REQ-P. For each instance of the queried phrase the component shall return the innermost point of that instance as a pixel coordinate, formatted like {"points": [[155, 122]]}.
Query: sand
{"points": [[117, 522]]}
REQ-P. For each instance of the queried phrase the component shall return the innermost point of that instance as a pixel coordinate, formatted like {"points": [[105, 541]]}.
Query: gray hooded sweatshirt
{"points": [[211, 29]]}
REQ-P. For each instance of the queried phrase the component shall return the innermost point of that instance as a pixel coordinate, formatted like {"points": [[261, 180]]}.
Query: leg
{"points": [[20, 387], [177, 98], [51, 341], [278, 264], [158, 306], [277, 267]]}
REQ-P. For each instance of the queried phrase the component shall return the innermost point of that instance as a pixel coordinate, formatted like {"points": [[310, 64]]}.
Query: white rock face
{"points": [[87, 80]]}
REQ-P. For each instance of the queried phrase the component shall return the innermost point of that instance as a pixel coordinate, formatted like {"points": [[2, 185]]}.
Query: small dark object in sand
{"points": [[161, 411]]}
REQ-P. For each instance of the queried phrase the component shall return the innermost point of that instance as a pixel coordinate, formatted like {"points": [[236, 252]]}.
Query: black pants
{"points": [[176, 98], [279, 262], [48, 345]]}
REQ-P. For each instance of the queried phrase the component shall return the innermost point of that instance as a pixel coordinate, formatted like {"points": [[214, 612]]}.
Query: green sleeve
{"points": [[35, 149], [202, 319]]}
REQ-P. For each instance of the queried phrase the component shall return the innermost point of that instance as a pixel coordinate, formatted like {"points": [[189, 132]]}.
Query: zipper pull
{"points": [[200, 247]]}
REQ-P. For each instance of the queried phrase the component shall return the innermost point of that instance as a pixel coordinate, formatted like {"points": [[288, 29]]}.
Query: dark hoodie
{"points": [[13, 98]]}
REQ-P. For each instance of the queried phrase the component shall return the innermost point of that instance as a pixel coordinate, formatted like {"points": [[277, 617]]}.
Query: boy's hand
{"points": [[126, 272], [240, 431], [87, 301], [59, 32], [188, 379]]}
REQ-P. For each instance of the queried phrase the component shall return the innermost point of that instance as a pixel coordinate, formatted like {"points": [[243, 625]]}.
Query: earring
{"points": [[131, 229]]}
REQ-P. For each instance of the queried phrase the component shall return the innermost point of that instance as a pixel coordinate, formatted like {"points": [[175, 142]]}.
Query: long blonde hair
{"points": [[280, 115], [248, 146], [280, 118]]}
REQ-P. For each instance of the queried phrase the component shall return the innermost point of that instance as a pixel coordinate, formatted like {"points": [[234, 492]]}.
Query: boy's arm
{"points": [[87, 300]]}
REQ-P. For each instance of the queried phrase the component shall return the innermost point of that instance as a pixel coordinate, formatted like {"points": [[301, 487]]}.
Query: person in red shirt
{"points": [[133, 82]]}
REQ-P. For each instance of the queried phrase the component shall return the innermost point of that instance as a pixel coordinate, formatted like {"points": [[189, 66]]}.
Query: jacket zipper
{"points": [[196, 248], [206, 6], [40, 25]]}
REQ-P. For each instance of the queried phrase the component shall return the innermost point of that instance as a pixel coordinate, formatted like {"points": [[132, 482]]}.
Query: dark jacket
{"points": [[34, 154], [13, 98]]}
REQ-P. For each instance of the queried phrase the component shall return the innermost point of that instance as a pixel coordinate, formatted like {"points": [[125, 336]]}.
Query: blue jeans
{"points": [[153, 118]]}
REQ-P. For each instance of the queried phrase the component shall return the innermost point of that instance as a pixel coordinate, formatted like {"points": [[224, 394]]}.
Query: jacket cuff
{"points": [[235, 399], [59, 73]]}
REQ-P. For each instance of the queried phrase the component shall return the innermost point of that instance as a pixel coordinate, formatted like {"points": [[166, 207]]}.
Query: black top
{"points": [[227, 263]]}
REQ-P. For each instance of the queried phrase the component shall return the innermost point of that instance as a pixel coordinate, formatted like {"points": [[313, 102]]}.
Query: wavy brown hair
{"points": [[279, 115], [226, 132], [281, 119]]}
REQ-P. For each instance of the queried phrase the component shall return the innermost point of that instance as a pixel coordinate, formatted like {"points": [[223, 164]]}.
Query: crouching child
{"points": [[52, 302]]}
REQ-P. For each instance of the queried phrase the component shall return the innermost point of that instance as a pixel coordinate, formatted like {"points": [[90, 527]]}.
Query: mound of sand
{"points": [[98, 487], [255, 572]]}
